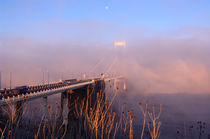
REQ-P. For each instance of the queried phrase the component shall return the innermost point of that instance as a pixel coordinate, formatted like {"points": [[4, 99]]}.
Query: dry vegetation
{"points": [[90, 116]]}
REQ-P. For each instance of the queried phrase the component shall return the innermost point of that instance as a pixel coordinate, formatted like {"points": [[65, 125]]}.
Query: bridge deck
{"points": [[35, 95], [35, 92]]}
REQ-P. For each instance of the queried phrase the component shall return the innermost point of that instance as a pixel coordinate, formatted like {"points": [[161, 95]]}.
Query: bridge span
{"points": [[15, 98], [33, 92]]}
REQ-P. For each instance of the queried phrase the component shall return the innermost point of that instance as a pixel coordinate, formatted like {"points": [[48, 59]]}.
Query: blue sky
{"points": [[157, 15]]}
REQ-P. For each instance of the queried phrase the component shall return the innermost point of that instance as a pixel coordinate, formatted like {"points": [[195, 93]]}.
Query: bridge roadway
{"points": [[34, 95], [34, 92]]}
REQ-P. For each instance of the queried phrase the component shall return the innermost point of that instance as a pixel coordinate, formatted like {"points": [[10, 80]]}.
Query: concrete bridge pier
{"points": [[45, 110], [64, 107]]}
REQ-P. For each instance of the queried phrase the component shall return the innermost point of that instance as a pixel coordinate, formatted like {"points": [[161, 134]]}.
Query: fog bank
{"points": [[151, 65]]}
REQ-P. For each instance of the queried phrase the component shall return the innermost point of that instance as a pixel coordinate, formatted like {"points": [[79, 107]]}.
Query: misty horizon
{"points": [[167, 64]]}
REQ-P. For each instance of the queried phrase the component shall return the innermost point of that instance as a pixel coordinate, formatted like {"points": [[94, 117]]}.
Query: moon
{"points": [[107, 7]]}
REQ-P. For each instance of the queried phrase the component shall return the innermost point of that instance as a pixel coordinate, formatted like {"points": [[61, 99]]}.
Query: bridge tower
{"points": [[115, 84], [45, 110], [64, 107], [124, 85]]}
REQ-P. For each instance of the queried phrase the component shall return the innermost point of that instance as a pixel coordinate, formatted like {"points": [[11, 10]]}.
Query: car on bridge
{"points": [[70, 80], [21, 89]]}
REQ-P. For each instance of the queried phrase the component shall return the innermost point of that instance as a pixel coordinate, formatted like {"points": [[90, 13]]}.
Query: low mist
{"points": [[152, 65]]}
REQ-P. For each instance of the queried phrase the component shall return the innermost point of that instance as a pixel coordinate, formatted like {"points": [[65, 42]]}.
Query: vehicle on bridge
{"points": [[21, 89], [13, 92], [70, 80]]}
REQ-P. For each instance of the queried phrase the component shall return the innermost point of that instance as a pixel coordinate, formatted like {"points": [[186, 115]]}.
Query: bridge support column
{"points": [[45, 110], [124, 85], [64, 107]]}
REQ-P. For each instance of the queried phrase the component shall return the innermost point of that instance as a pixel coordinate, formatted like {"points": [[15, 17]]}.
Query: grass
{"points": [[90, 116]]}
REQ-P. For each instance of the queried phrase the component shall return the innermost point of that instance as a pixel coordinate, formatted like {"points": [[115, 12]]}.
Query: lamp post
{"points": [[10, 84], [0, 80]]}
